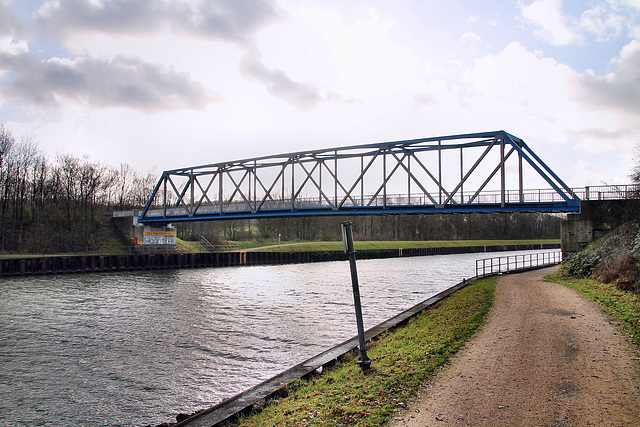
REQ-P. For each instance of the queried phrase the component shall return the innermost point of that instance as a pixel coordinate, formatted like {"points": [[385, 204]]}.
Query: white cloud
{"points": [[542, 100], [234, 21], [362, 54], [631, 3], [602, 22], [470, 37], [618, 90], [13, 47], [8, 20], [305, 96], [552, 25], [99, 82], [589, 173]]}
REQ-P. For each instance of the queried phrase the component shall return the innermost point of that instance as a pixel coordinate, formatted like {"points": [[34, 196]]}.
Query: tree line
{"points": [[381, 227], [62, 203]]}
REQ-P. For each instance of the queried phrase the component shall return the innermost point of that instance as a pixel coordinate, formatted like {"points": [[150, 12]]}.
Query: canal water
{"points": [[128, 349]]}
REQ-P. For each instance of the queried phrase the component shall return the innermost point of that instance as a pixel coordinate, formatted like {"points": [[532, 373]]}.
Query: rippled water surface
{"points": [[138, 348]]}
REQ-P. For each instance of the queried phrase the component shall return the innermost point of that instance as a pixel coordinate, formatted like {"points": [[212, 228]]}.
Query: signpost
{"points": [[347, 238]]}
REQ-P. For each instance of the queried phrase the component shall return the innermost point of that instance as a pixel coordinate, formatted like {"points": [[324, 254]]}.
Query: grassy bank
{"points": [[373, 245], [402, 360], [624, 305]]}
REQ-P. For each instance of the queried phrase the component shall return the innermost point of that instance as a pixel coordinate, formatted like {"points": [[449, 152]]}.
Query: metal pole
{"points": [[362, 180], [440, 172], [384, 178], [520, 177], [220, 189], [164, 200], [502, 174], [347, 238], [191, 183], [461, 177], [293, 186]]}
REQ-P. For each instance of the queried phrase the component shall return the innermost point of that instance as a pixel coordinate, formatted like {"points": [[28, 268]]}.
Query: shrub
{"points": [[612, 259]]}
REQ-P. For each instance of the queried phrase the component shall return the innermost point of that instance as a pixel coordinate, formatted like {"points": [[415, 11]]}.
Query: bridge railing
{"points": [[609, 192], [506, 264], [600, 192], [370, 201]]}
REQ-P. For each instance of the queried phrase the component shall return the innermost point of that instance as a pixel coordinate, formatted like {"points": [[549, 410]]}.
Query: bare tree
{"points": [[635, 171]]}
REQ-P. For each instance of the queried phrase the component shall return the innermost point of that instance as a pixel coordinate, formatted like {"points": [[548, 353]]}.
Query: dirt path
{"points": [[546, 357]]}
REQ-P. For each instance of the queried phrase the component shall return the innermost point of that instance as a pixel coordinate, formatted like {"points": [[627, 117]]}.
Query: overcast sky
{"points": [[173, 83]]}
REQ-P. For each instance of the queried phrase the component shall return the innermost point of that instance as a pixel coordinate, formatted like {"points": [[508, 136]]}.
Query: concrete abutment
{"points": [[596, 219]]}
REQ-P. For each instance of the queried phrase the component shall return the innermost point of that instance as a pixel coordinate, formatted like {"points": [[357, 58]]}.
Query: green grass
{"points": [[622, 304], [188, 246], [250, 244], [372, 245], [403, 359]]}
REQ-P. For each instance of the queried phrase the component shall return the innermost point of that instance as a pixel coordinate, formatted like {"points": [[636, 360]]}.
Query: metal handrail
{"points": [[600, 192], [511, 263]]}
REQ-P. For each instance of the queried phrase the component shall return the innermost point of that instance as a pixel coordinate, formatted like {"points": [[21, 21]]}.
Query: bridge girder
{"points": [[412, 176]]}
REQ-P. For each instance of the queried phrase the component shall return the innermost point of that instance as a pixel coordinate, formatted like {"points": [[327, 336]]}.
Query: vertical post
{"points": [[347, 238], [440, 172], [284, 169], [520, 177], [192, 201], [384, 179], [293, 185], [164, 200], [321, 163], [220, 189], [502, 174], [362, 180], [461, 178], [335, 182], [248, 169], [409, 179]]}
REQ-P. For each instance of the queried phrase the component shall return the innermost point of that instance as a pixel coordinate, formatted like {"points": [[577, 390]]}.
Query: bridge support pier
{"points": [[154, 239], [576, 233], [144, 238], [596, 219]]}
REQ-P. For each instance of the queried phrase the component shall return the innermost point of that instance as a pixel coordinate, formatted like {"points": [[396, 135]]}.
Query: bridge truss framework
{"points": [[480, 172]]}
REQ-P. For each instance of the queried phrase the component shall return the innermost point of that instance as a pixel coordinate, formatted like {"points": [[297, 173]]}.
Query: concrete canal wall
{"points": [[134, 262]]}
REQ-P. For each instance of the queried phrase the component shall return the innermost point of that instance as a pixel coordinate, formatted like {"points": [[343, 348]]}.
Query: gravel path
{"points": [[546, 357]]}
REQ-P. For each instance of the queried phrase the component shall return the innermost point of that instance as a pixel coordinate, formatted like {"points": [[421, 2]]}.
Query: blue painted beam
{"points": [[572, 206]]}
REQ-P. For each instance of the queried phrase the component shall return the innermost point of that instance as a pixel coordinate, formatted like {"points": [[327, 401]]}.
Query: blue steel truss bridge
{"points": [[480, 172]]}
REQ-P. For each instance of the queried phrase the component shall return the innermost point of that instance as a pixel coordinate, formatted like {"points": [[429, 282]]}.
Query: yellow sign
{"points": [[159, 233]]}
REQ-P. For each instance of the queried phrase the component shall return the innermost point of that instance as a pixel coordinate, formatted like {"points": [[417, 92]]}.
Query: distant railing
{"points": [[207, 246], [507, 264], [609, 192]]}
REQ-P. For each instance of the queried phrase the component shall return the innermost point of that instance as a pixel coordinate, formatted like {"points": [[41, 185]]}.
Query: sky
{"points": [[176, 83]]}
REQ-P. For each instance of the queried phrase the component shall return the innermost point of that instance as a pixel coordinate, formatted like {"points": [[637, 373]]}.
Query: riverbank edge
{"points": [[73, 264], [244, 402]]}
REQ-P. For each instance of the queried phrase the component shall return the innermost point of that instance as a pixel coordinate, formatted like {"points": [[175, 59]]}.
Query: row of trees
{"points": [[384, 227], [61, 203]]}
